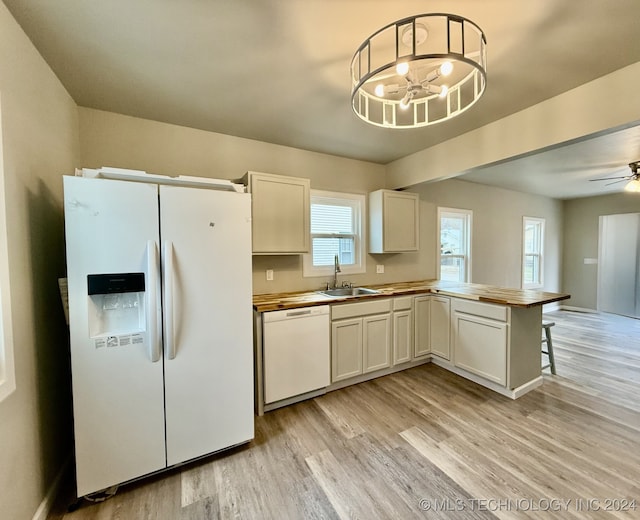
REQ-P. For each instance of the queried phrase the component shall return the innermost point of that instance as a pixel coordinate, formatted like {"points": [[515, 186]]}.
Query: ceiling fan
{"points": [[633, 179]]}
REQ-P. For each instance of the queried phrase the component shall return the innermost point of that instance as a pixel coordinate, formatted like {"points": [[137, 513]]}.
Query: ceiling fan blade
{"points": [[616, 182], [611, 178]]}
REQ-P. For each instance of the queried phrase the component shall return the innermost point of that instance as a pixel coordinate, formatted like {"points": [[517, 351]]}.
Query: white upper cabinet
{"points": [[280, 207], [393, 221]]}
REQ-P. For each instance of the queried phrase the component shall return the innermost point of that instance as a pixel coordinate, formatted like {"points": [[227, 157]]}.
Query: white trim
{"points": [[308, 270], [578, 309], [550, 307], [7, 369], [601, 226], [469, 239], [540, 253], [507, 392]]}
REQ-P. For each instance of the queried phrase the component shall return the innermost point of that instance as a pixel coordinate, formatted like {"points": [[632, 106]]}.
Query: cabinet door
{"points": [[480, 346], [400, 221], [440, 326], [376, 342], [346, 349], [402, 336], [421, 318], [393, 221], [280, 213]]}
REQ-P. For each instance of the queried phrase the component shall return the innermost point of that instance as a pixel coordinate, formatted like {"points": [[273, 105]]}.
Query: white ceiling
{"points": [[278, 70], [568, 171]]}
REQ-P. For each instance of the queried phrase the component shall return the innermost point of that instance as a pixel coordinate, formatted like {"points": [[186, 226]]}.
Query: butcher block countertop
{"points": [[468, 291]]}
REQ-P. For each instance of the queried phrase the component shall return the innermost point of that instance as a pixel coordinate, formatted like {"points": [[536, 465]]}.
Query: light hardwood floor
{"points": [[569, 449]]}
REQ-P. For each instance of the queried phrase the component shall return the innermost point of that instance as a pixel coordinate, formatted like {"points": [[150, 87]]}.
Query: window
{"points": [[7, 377], [532, 250], [454, 254], [336, 229]]}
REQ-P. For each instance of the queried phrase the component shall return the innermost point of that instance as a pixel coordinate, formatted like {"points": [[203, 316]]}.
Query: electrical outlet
{"points": [[379, 269], [269, 275]]}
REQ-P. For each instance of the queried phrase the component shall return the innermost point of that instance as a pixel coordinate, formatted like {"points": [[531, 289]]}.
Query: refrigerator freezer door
{"points": [[209, 380], [112, 227]]}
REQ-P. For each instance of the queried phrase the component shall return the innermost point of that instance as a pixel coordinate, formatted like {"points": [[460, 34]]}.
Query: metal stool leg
{"points": [[549, 352]]}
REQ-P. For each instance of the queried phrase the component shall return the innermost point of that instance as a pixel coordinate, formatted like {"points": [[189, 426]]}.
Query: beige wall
{"points": [[581, 241], [109, 139], [497, 230], [40, 142]]}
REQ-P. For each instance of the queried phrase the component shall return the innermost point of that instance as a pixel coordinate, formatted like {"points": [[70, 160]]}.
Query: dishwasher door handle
{"points": [[298, 313]]}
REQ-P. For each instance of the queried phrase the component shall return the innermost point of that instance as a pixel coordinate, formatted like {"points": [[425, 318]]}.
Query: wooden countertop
{"points": [[468, 291]]}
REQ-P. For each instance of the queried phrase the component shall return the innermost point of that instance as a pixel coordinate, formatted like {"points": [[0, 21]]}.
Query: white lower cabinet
{"points": [[432, 318], [360, 338], [375, 342], [498, 343], [346, 349], [481, 335], [402, 330], [422, 327], [440, 326]]}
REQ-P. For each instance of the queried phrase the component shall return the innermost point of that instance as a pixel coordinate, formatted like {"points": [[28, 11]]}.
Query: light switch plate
{"points": [[269, 275]]}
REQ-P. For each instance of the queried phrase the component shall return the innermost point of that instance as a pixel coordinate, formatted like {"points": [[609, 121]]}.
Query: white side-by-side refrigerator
{"points": [[160, 317]]}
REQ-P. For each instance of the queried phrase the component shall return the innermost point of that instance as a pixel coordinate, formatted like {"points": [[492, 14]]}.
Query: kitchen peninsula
{"points": [[487, 334]]}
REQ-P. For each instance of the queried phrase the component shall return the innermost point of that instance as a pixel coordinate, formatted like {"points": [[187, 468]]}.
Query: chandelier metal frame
{"points": [[416, 98]]}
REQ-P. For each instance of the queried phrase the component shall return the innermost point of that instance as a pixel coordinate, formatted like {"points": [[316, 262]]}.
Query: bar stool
{"points": [[546, 326]]}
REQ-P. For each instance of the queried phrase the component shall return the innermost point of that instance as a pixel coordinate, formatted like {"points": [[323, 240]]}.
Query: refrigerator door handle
{"points": [[153, 307], [169, 339]]}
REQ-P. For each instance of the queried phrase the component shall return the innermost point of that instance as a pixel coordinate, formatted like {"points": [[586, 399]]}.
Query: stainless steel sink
{"points": [[342, 292]]}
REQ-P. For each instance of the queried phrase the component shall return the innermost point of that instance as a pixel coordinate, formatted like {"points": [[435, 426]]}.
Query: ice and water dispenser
{"points": [[116, 309]]}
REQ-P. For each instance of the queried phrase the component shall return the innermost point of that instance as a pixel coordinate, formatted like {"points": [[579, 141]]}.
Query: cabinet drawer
{"points": [[350, 310], [485, 310], [402, 303]]}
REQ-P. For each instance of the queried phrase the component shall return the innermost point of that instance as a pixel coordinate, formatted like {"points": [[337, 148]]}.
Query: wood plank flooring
{"points": [[425, 443]]}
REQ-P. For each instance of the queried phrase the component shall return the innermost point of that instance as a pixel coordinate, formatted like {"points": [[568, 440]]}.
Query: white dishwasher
{"points": [[296, 351]]}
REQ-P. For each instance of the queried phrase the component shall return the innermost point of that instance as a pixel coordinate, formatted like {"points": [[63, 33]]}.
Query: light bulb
{"points": [[379, 90], [443, 91], [446, 68], [406, 101], [402, 68], [633, 186]]}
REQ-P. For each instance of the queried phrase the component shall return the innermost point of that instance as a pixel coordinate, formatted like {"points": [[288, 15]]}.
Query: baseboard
{"points": [[550, 307], [527, 387], [52, 493], [578, 309], [507, 392]]}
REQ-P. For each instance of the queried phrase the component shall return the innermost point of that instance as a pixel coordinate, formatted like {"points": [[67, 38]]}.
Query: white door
{"points": [[206, 248], [618, 269], [112, 227]]}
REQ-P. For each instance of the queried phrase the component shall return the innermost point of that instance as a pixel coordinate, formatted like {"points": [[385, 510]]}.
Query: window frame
{"points": [[7, 368], [358, 202], [540, 222], [467, 214]]}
